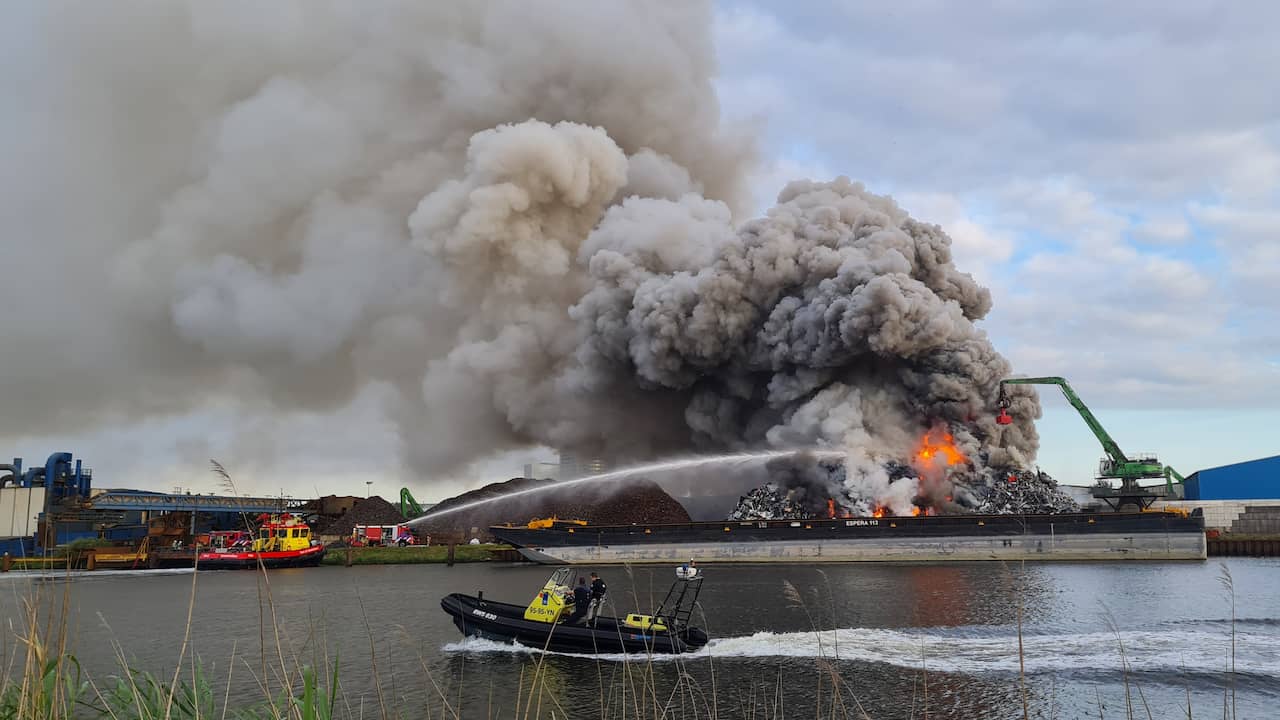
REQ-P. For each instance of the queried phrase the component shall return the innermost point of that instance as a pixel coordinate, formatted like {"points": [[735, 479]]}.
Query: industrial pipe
{"points": [[51, 472]]}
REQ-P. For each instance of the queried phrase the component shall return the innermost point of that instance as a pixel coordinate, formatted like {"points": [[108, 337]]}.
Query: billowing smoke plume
{"points": [[525, 218]]}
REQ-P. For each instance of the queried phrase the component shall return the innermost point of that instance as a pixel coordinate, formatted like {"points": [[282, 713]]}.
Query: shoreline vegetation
{"points": [[415, 554]]}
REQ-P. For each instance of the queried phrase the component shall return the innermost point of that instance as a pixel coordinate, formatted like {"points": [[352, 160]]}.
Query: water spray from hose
{"points": [[655, 468]]}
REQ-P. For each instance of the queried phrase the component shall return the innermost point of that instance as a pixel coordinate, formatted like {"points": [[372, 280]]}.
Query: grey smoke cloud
{"points": [[524, 219]]}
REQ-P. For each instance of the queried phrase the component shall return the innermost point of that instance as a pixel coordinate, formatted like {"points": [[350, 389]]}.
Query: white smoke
{"points": [[521, 216]]}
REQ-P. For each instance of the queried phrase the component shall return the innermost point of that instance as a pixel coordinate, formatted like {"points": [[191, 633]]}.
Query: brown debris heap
{"points": [[640, 501], [366, 511]]}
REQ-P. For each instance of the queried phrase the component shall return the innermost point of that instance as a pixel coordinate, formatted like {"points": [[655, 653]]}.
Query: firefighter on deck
{"points": [[598, 592]]}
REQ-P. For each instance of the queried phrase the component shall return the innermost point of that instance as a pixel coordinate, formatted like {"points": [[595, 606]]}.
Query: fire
{"points": [[915, 512], [938, 444], [879, 512], [837, 511]]}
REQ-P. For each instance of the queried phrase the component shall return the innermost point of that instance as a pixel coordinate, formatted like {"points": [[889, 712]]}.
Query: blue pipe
{"points": [[82, 485], [51, 466]]}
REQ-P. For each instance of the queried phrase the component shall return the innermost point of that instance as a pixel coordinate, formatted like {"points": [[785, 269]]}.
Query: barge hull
{"points": [[1138, 536]]}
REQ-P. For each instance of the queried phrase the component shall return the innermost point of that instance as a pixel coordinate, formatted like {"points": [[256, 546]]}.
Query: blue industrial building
{"points": [[55, 504], [1251, 480]]}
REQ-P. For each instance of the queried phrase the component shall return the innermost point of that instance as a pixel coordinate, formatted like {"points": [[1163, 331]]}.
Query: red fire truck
{"points": [[378, 535]]}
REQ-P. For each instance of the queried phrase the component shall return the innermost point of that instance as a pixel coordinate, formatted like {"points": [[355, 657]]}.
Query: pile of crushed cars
{"points": [[1024, 492], [993, 492]]}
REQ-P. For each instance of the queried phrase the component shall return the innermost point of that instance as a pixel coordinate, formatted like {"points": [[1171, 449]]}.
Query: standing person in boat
{"points": [[581, 600], [598, 592]]}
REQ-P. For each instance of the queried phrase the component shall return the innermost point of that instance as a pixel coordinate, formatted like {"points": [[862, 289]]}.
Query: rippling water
{"points": [[898, 637]]}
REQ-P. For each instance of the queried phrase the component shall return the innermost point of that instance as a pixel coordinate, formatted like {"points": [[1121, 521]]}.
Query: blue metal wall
{"points": [[1252, 480], [18, 546]]}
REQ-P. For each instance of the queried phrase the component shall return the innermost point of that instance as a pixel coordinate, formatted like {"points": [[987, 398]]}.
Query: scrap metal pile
{"points": [[993, 492], [768, 503], [1024, 492]]}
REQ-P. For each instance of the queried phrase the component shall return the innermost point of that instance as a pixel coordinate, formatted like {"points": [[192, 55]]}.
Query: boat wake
{"points": [[987, 650]]}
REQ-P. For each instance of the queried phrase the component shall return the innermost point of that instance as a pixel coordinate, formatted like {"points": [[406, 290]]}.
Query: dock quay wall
{"points": [[1232, 516]]}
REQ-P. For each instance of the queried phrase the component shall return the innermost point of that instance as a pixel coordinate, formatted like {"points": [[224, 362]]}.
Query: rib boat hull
{"points": [[505, 622]]}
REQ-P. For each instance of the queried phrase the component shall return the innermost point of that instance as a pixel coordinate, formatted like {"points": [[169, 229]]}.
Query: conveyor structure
{"points": [[138, 500]]}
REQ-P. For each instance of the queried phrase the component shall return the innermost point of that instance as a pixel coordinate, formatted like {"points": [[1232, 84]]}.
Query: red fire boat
{"points": [[282, 541]]}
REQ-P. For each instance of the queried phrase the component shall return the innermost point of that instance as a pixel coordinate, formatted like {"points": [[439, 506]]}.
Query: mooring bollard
{"points": [[6, 563], [348, 560], [449, 562]]}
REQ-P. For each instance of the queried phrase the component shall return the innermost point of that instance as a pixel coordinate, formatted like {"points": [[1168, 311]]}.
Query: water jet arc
{"points": [[663, 466]]}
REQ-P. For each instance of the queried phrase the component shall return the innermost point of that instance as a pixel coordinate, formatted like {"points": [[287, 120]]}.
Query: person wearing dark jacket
{"points": [[598, 592], [581, 600]]}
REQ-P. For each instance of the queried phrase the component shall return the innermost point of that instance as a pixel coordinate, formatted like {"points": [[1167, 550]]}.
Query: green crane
{"points": [[409, 507], [1116, 465]]}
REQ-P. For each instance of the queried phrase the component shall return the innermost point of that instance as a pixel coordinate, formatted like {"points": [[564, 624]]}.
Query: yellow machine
{"points": [[544, 523], [554, 601], [643, 622]]}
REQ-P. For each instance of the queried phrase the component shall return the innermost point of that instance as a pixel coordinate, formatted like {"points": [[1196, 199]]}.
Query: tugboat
{"points": [[544, 623], [283, 541]]}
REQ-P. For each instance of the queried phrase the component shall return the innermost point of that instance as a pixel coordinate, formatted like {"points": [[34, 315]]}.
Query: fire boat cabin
{"points": [[281, 541]]}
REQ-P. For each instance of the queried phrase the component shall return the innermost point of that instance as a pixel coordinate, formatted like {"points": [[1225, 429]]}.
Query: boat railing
{"points": [[677, 607]]}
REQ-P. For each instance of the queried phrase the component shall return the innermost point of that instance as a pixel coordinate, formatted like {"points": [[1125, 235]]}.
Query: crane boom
{"points": [[1109, 445], [409, 507], [1116, 464]]}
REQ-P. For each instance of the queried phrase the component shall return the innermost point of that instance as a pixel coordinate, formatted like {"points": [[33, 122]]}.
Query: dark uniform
{"points": [[598, 591], [581, 600]]}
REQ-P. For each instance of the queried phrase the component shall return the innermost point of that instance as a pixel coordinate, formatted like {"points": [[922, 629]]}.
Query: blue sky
{"points": [[1110, 171]]}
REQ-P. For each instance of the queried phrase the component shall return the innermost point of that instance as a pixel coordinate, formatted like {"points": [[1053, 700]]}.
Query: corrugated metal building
{"points": [[1251, 480]]}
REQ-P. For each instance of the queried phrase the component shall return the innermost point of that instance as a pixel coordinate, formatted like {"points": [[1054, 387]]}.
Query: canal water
{"points": [[895, 641]]}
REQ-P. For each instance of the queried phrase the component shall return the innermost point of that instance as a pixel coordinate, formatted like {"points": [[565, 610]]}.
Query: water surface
{"points": [[897, 637]]}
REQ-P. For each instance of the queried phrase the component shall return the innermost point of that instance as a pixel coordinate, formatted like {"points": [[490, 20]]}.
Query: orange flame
{"points": [[831, 508], [938, 444], [879, 512], [915, 512]]}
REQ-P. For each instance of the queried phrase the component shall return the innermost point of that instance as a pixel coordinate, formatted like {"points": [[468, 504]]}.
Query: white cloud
{"points": [[1250, 240], [1163, 230], [976, 247], [1144, 102]]}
